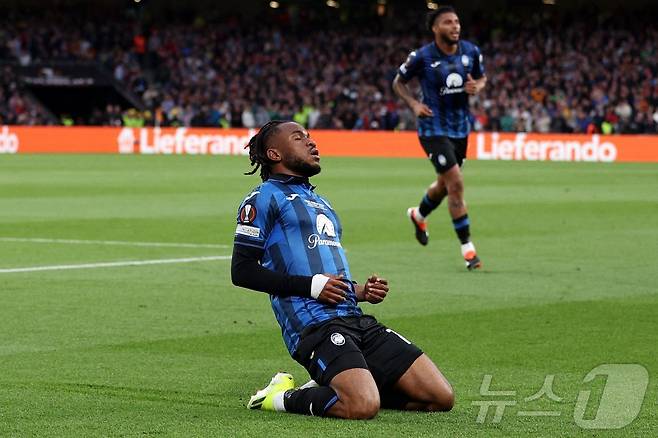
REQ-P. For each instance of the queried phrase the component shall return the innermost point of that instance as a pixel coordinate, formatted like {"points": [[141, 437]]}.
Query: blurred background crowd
{"points": [[547, 72]]}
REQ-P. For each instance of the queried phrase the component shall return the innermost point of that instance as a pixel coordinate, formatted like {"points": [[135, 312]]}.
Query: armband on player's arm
{"points": [[247, 272]]}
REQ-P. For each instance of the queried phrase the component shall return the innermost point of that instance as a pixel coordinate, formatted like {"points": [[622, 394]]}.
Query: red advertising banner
{"points": [[213, 141]]}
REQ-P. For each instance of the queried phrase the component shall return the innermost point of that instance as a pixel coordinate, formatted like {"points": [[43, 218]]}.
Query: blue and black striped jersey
{"points": [[442, 79], [300, 233]]}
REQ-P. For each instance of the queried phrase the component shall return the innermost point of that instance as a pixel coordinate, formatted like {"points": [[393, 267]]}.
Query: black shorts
{"points": [[445, 152], [355, 342]]}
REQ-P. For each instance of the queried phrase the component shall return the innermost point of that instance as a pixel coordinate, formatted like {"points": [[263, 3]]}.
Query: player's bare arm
{"points": [[402, 90]]}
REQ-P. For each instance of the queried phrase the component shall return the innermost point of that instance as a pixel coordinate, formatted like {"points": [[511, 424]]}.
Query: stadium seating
{"points": [[585, 74]]}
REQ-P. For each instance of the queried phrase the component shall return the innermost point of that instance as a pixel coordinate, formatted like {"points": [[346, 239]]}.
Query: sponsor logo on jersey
{"points": [[454, 84], [324, 226], [247, 230], [314, 241]]}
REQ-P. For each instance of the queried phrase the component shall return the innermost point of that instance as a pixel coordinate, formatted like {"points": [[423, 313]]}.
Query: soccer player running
{"points": [[449, 70], [287, 244]]}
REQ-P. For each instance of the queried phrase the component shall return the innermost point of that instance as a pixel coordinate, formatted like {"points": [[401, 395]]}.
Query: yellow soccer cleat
{"points": [[264, 399]]}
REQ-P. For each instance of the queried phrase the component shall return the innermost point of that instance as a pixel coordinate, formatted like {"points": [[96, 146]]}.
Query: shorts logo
{"points": [[442, 160], [247, 214], [337, 339]]}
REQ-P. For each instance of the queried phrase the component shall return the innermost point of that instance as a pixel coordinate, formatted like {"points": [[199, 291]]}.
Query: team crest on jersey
{"points": [[465, 60], [337, 339], [247, 214]]}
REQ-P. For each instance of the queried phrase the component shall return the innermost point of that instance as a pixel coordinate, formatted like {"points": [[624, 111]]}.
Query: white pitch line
{"points": [[114, 264], [112, 242]]}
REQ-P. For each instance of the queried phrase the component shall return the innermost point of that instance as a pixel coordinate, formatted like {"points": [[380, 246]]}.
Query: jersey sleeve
{"points": [[255, 220], [478, 63], [412, 67]]}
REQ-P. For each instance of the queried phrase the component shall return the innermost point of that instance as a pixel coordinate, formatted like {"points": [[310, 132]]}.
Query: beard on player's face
{"points": [[304, 168], [446, 38]]}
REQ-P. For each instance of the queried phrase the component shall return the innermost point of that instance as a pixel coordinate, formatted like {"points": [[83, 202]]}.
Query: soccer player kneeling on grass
{"points": [[287, 244]]}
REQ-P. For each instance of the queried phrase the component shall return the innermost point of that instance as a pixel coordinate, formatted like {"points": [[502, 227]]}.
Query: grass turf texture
{"points": [[569, 254]]}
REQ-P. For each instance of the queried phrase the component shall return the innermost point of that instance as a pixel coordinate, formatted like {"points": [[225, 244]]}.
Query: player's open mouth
{"points": [[315, 153]]}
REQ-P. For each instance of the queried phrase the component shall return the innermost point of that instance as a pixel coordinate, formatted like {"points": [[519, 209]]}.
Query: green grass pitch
{"points": [[568, 284]]}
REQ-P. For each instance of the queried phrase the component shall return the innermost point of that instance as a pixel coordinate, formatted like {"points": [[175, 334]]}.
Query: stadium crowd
{"points": [[16, 106], [569, 75]]}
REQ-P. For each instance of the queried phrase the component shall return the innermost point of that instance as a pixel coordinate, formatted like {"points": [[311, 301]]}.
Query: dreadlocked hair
{"points": [[258, 149]]}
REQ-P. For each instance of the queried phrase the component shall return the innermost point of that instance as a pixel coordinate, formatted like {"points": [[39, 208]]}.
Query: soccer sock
{"points": [[394, 400], [310, 401], [462, 228], [468, 248], [427, 206]]}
